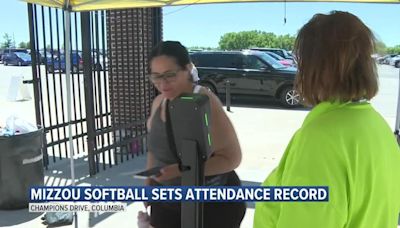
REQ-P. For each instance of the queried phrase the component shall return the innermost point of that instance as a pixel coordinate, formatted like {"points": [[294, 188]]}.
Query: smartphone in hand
{"points": [[149, 173]]}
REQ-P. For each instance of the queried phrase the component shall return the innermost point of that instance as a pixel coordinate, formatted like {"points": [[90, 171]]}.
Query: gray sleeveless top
{"points": [[163, 155]]}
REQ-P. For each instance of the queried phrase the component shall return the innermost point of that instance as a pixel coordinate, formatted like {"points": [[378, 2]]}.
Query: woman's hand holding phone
{"points": [[168, 172]]}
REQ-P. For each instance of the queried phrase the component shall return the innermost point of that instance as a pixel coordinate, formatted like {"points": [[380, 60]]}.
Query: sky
{"points": [[203, 25]]}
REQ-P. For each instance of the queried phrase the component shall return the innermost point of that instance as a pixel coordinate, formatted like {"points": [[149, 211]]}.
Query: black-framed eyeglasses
{"points": [[169, 76]]}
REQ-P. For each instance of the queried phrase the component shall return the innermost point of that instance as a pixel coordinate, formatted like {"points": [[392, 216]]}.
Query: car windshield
{"points": [[23, 56], [275, 56], [271, 61]]}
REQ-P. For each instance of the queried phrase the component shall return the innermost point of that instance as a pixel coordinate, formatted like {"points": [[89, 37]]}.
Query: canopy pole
{"points": [[67, 17], [67, 44]]}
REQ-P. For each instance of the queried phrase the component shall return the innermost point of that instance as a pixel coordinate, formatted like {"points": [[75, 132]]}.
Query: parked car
{"points": [[1, 54], [283, 61], [5, 51], [43, 56], [279, 51], [57, 63], [17, 58], [248, 72], [395, 61], [385, 59]]}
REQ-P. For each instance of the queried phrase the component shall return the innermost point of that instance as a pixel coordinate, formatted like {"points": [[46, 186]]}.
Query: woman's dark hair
{"points": [[334, 59], [172, 49]]}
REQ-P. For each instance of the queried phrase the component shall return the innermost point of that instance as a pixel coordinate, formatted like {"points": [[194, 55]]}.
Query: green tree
{"points": [[228, 41], [285, 42], [201, 48], [380, 47], [22, 45], [249, 39], [393, 50], [7, 41]]}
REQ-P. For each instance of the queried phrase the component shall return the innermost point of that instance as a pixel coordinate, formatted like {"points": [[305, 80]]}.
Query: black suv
{"points": [[248, 72]]}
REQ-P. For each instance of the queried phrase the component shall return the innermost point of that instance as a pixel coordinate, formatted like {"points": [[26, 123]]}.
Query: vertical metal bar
{"points": [[36, 80], [38, 71], [54, 79], [61, 84], [98, 78], [87, 72], [46, 76], [99, 85], [105, 79], [95, 93], [52, 64], [111, 76], [93, 41], [94, 83], [228, 95], [46, 159], [79, 87]]}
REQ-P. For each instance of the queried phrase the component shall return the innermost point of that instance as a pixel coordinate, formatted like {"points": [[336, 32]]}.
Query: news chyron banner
{"points": [[115, 199]]}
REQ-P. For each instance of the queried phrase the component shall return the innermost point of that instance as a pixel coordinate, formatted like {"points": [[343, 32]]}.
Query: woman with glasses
{"points": [[344, 143], [171, 73]]}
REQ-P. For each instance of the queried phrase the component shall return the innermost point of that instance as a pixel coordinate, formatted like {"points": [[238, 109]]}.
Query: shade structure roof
{"points": [[87, 5]]}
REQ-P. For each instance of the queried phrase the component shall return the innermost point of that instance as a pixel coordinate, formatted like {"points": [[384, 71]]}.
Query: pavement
{"points": [[263, 128]]}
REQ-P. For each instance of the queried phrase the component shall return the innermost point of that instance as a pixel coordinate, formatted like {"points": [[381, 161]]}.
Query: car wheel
{"points": [[397, 64], [289, 97], [5, 63], [19, 63], [209, 86]]}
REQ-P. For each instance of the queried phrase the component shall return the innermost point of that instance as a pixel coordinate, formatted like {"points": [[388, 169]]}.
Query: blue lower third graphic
{"points": [[180, 193]]}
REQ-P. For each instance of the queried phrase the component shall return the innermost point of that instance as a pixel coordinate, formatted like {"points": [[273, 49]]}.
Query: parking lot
{"points": [[263, 127]]}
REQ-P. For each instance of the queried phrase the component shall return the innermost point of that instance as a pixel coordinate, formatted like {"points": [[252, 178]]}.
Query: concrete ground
{"points": [[263, 128]]}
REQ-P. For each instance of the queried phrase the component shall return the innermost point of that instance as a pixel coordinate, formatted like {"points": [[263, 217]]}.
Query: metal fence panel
{"points": [[111, 97]]}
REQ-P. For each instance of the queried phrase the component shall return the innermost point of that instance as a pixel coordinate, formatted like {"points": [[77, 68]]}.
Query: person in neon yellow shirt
{"points": [[343, 143]]}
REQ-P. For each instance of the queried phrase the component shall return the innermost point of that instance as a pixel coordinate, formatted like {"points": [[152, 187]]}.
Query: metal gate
{"points": [[111, 97]]}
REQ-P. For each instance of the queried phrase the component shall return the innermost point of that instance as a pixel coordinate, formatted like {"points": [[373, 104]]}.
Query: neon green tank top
{"points": [[349, 148]]}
